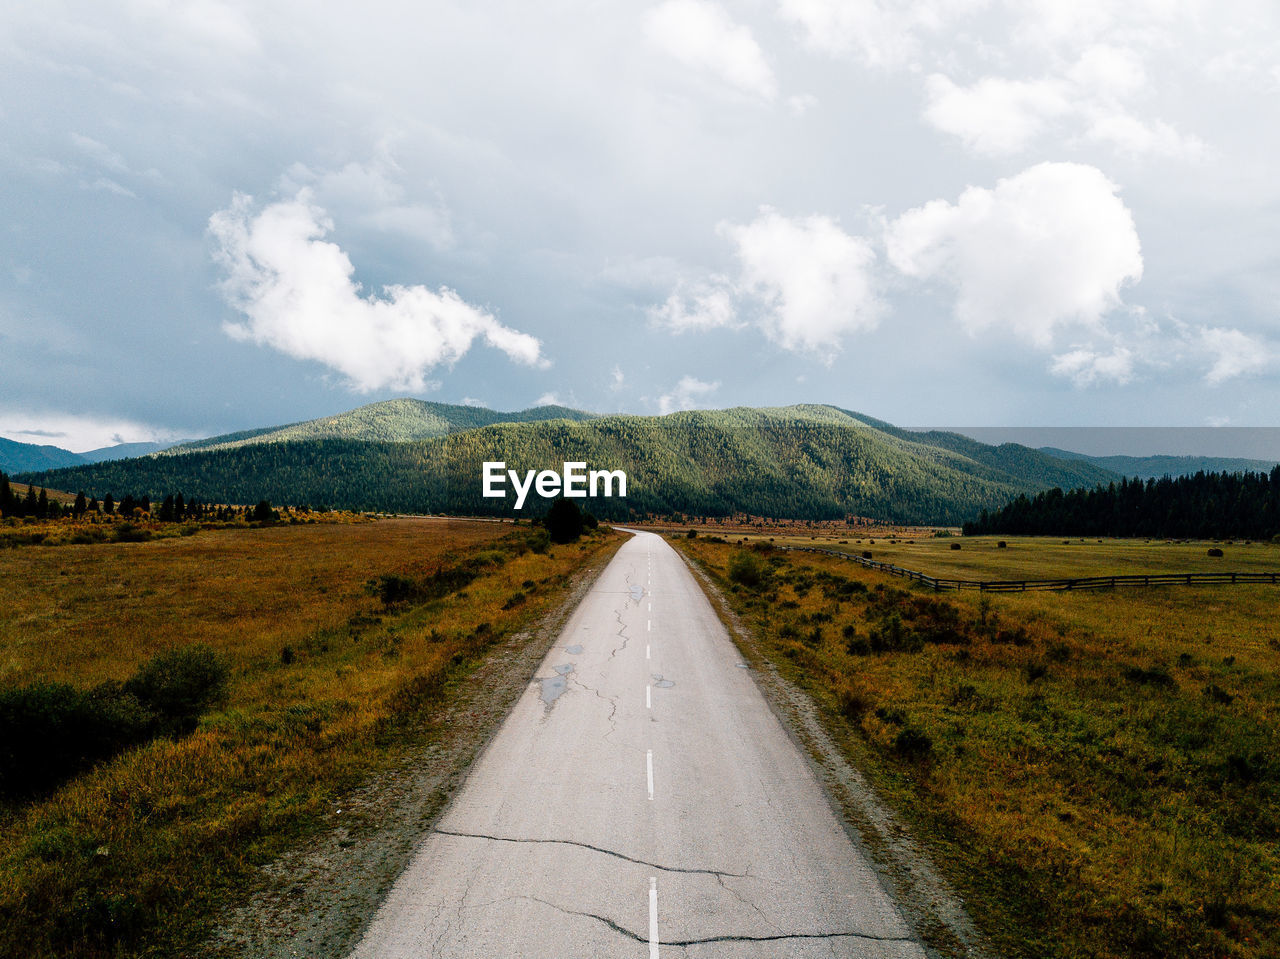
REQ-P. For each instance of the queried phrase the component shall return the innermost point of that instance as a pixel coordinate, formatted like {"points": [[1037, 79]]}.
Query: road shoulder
{"points": [[931, 907], [317, 899]]}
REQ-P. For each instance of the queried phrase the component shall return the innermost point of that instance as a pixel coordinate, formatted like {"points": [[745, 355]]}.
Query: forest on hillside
{"points": [[700, 463]]}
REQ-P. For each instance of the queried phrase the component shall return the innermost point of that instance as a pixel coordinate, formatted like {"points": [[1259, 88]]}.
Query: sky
{"points": [[217, 215]]}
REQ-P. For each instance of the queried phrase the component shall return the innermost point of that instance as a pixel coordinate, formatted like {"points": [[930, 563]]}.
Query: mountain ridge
{"points": [[398, 420], [808, 461], [1156, 467]]}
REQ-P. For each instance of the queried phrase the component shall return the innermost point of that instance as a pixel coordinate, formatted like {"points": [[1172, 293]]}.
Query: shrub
{"points": [[1216, 694], [564, 521], [1157, 676], [1002, 545], [692, 534], [746, 569], [179, 685], [51, 731], [129, 533], [912, 744], [853, 703], [891, 635], [955, 545], [1214, 551], [392, 589]]}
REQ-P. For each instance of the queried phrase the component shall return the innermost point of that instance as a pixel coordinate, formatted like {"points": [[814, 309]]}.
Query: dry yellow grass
{"points": [[1096, 771], [132, 858], [1029, 557]]}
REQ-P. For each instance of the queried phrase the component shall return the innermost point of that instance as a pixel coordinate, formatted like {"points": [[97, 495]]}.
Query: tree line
{"points": [[1203, 506], [174, 508]]}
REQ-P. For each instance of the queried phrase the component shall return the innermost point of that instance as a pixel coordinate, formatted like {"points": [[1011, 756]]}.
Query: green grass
{"points": [[1097, 773]]}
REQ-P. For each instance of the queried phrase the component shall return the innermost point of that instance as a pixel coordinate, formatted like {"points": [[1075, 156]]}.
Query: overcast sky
{"points": [[219, 215]]}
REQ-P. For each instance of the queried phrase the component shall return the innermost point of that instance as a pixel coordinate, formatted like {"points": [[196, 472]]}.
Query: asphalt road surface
{"points": [[641, 800]]}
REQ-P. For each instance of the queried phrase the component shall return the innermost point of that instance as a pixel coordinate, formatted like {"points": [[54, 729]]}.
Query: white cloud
{"points": [[686, 395], [803, 280], [296, 292], [701, 305], [1085, 367], [879, 34], [1234, 353], [100, 153], [812, 280], [373, 195], [995, 115], [548, 399], [1109, 72], [1130, 135], [999, 116], [702, 35], [616, 378], [1051, 246], [76, 432]]}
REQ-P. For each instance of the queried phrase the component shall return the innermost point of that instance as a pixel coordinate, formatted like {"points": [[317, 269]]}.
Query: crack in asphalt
{"points": [[600, 849], [622, 628], [746, 902], [611, 700], [780, 937]]}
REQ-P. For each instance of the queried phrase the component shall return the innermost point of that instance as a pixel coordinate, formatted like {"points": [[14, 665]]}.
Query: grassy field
{"points": [[1027, 557], [328, 682], [1097, 773]]}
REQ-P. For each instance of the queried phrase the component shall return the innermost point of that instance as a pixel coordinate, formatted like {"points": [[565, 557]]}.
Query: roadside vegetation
{"points": [[240, 683], [1097, 773]]}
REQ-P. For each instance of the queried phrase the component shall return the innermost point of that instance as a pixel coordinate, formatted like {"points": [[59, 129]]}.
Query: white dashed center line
{"points": [[653, 917], [648, 762]]}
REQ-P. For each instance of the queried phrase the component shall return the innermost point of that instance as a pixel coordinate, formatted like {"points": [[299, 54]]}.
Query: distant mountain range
{"points": [[805, 461], [1154, 467], [23, 457]]}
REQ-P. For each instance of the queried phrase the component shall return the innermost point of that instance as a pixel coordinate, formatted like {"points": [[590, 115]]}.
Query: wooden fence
{"points": [[1022, 585]]}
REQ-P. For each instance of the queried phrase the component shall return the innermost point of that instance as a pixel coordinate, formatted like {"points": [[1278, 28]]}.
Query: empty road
{"points": [[641, 800]]}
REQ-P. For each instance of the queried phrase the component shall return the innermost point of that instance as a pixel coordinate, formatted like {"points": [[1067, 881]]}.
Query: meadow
{"points": [[1028, 557], [343, 641], [1096, 773]]}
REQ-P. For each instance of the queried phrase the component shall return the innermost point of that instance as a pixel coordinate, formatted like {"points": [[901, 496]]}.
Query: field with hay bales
{"points": [[234, 685], [1032, 557], [1098, 773]]}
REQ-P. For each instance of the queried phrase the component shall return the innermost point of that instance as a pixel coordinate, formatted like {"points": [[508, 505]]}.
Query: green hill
{"points": [[391, 421], [810, 462]]}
